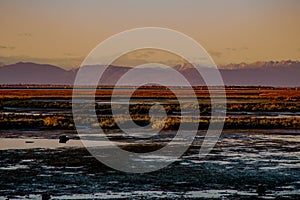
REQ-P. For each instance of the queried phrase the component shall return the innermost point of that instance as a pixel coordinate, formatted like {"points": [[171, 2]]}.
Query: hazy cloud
{"points": [[25, 34], [69, 54], [243, 48], [215, 53], [145, 54], [7, 47], [231, 49]]}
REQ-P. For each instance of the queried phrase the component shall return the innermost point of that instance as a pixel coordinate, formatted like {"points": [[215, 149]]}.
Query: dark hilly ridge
{"points": [[31, 73], [284, 74]]}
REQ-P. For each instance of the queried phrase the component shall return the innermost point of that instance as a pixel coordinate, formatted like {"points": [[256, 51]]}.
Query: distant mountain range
{"points": [[284, 74]]}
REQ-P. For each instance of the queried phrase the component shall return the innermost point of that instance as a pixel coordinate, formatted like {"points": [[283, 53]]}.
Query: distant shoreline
{"points": [[145, 92]]}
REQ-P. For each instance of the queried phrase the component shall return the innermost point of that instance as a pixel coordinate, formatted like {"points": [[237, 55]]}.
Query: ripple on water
{"points": [[14, 167]]}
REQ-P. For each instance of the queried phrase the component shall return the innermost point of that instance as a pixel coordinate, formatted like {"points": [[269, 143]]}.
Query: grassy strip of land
{"points": [[66, 122]]}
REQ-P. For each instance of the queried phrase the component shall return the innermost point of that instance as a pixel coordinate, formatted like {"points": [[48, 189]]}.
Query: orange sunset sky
{"points": [[232, 31]]}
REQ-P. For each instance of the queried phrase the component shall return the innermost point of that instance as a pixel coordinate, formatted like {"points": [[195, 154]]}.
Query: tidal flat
{"points": [[240, 161]]}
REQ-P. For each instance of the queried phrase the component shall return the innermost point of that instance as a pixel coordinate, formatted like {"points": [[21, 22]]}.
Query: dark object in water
{"points": [[46, 196], [29, 141], [63, 139], [261, 190]]}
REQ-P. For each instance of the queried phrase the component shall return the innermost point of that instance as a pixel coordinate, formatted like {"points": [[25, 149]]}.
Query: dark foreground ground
{"points": [[240, 161]]}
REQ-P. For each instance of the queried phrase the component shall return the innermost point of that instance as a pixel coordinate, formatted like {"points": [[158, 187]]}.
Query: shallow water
{"points": [[240, 160], [17, 143]]}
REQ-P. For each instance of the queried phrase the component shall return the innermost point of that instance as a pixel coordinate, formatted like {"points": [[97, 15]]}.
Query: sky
{"points": [[232, 31]]}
